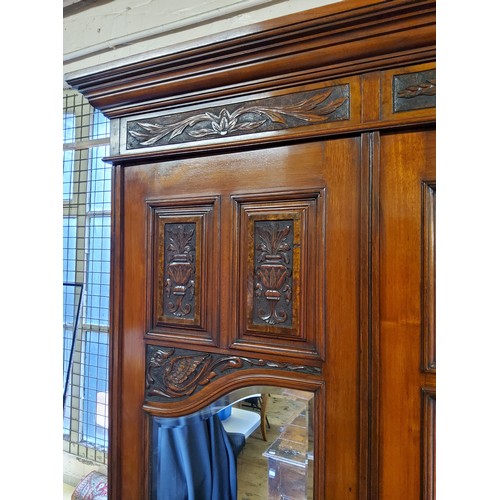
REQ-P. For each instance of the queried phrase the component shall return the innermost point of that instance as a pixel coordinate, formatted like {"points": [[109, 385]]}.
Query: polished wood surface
{"points": [[314, 166], [319, 126], [407, 167], [340, 39]]}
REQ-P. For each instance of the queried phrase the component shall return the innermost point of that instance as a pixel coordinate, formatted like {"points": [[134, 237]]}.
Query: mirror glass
{"points": [[254, 443]]}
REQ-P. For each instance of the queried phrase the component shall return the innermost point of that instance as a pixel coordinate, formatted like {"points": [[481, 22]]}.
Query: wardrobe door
{"points": [[225, 208], [406, 335]]}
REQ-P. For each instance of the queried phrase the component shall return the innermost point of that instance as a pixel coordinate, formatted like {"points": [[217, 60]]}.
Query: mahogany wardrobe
{"points": [[274, 201]]}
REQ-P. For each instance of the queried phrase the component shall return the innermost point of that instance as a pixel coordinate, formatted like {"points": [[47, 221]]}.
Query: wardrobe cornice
{"points": [[337, 40]]}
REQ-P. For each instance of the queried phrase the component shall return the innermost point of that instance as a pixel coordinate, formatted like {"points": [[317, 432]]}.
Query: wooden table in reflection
{"points": [[288, 461]]}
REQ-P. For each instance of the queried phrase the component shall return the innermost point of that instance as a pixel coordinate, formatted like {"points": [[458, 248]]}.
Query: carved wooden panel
{"points": [[183, 253], [273, 266], [174, 374], [409, 92], [280, 270], [414, 91], [279, 112], [429, 276], [428, 443]]}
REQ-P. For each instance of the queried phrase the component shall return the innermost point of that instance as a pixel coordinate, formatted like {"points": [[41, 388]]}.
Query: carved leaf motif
{"points": [[149, 127], [313, 101], [272, 242], [179, 240], [201, 132], [180, 272], [427, 88], [251, 125], [155, 132], [311, 104], [309, 110], [300, 109], [190, 122], [183, 367], [273, 115], [271, 273]]}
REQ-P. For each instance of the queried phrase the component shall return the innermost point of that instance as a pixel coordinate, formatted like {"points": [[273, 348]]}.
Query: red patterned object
{"points": [[93, 486]]}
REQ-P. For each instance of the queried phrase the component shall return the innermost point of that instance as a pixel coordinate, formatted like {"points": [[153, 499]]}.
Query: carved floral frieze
{"points": [[174, 374], [273, 113]]}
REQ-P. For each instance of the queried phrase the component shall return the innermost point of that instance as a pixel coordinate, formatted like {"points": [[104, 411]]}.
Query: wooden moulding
{"points": [[429, 277], [334, 41], [428, 486], [300, 330], [342, 68]]}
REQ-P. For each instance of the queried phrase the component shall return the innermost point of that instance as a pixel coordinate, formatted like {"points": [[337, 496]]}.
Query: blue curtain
{"points": [[192, 459]]}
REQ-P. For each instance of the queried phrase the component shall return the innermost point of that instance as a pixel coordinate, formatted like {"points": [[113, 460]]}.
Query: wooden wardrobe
{"points": [[291, 164]]}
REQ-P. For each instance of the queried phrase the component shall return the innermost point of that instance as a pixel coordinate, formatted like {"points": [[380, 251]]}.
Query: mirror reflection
{"points": [[254, 443]]}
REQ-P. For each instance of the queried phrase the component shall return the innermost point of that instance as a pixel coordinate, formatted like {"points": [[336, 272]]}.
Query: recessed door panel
{"points": [[183, 257], [281, 270]]}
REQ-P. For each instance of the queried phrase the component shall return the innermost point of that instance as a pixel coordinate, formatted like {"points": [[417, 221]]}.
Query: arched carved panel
{"points": [[175, 374]]}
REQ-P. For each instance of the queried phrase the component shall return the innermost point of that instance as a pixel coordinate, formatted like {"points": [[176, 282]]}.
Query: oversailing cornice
{"points": [[340, 39]]}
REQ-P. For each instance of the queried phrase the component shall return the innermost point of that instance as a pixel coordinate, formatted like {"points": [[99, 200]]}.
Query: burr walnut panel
{"points": [[280, 269], [183, 256]]}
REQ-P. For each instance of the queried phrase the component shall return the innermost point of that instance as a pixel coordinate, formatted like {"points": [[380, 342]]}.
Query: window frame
{"points": [[78, 206]]}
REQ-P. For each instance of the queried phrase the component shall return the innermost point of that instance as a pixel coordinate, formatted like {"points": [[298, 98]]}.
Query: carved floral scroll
{"points": [[180, 269], [177, 373], [274, 113], [273, 271]]}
